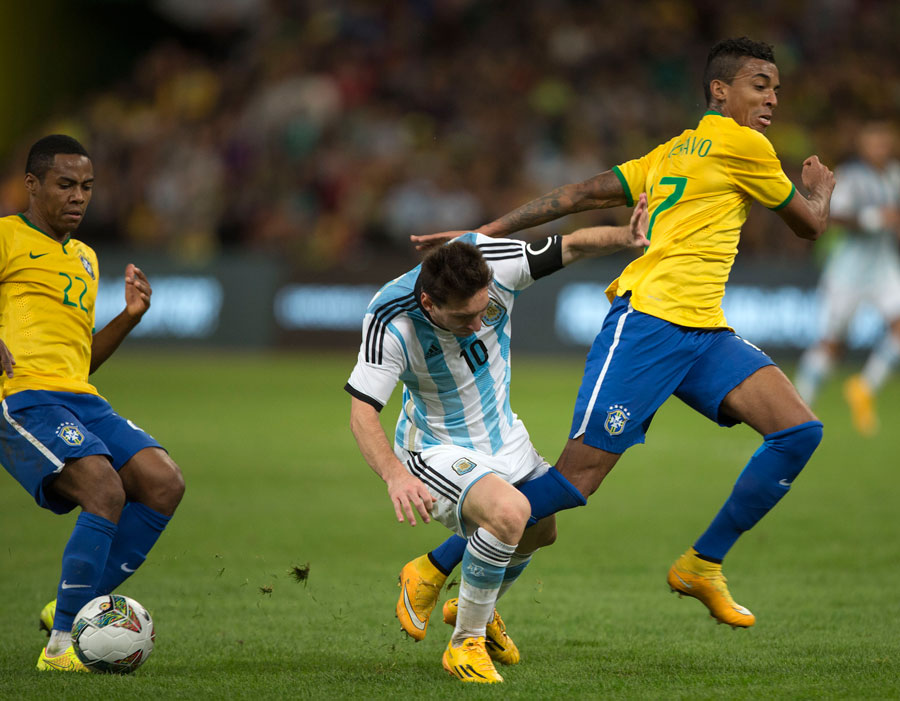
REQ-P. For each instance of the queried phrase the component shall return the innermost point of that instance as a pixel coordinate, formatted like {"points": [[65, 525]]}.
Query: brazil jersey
{"points": [[456, 390], [699, 186], [47, 295]]}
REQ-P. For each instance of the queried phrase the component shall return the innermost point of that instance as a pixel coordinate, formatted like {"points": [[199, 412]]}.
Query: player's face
{"points": [[62, 198], [876, 144], [460, 317], [753, 94]]}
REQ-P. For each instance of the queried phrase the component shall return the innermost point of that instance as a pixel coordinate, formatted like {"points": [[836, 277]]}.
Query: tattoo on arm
{"points": [[603, 190]]}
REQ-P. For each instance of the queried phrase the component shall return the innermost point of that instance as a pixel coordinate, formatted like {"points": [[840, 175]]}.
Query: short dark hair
{"points": [[454, 272], [726, 57], [43, 153]]}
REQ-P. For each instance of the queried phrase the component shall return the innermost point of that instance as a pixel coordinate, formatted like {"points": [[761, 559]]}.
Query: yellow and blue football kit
{"points": [[51, 413], [47, 294], [666, 333]]}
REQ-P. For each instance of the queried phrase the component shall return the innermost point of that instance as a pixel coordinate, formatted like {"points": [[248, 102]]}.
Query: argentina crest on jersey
{"points": [[494, 313], [616, 418]]}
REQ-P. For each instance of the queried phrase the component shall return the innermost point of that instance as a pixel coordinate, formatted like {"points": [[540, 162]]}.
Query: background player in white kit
{"points": [[864, 267], [443, 329]]}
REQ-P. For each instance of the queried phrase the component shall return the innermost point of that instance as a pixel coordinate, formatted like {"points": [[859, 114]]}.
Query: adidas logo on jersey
{"points": [[433, 351]]}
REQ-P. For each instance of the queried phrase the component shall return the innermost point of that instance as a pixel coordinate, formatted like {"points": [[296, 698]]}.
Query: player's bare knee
{"points": [[153, 479], [164, 492], [509, 518]]}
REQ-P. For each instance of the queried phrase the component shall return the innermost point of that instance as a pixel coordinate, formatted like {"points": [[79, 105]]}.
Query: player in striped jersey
{"points": [[666, 334], [58, 437], [865, 266], [443, 330]]}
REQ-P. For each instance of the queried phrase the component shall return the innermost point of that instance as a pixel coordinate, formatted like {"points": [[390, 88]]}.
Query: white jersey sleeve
{"points": [[861, 193], [380, 361], [844, 198]]}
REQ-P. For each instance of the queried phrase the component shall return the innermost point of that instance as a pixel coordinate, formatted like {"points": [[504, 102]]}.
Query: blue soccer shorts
{"points": [[637, 361], [41, 430]]}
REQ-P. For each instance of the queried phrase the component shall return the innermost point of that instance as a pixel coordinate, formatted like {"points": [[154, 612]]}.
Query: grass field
{"points": [[275, 481]]}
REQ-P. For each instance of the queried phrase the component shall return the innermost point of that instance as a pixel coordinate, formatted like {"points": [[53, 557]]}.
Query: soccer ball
{"points": [[113, 633]]}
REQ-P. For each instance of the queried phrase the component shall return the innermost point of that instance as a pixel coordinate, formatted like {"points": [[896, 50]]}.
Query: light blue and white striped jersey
{"points": [[869, 250], [456, 390]]}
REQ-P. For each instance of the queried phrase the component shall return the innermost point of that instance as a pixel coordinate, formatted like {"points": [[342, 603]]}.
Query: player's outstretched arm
{"points": [[597, 241], [808, 216], [6, 360], [601, 191], [408, 494], [137, 302]]}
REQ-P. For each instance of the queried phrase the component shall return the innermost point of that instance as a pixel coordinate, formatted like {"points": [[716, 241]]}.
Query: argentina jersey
{"points": [[456, 390], [869, 252]]}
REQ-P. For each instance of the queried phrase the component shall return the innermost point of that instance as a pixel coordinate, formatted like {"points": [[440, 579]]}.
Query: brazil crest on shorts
{"points": [[616, 418]]}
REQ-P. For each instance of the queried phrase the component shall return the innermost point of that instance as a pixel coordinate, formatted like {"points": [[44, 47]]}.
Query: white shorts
{"points": [[449, 471], [852, 278]]}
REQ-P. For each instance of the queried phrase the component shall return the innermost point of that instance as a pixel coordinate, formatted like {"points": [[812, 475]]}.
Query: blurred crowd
{"points": [[327, 131]]}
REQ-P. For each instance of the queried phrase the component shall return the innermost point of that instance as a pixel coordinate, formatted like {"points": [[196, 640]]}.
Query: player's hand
{"points": [[816, 175], [640, 223], [6, 360], [409, 495], [137, 291], [428, 241]]}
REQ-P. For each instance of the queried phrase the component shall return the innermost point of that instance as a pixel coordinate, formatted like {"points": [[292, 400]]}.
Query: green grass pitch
{"points": [[274, 481]]}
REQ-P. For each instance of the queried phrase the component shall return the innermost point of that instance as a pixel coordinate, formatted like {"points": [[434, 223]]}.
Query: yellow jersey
{"points": [[699, 186], [47, 295]]}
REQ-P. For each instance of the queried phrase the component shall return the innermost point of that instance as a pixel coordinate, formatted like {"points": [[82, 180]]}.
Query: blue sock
{"points": [[547, 494], [82, 565], [139, 529], [765, 479], [448, 554]]}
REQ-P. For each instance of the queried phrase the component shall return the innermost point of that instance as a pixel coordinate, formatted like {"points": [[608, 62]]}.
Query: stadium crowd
{"points": [[329, 130]]}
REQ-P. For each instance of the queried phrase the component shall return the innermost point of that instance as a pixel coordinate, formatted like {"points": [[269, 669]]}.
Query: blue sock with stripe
{"points": [[139, 529], [448, 554], [84, 558], [517, 564], [761, 485], [547, 494]]}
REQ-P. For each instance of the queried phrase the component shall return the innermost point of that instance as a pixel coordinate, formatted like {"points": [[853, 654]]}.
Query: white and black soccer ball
{"points": [[113, 633]]}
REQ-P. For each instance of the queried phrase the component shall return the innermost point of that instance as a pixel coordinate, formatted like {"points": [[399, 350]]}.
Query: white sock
{"points": [[59, 641], [815, 366], [483, 565], [880, 362]]}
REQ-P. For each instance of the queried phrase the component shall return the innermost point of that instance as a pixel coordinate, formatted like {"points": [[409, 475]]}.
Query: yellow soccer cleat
{"points": [[499, 645], [46, 618], [66, 662], [470, 662], [421, 584], [693, 576], [862, 405]]}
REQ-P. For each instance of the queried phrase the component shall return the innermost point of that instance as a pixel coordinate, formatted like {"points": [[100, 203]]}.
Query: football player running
{"points": [[666, 334], [443, 329]]}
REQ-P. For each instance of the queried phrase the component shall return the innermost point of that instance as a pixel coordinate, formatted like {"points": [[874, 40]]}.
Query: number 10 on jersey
{"points": [[475, 355]]}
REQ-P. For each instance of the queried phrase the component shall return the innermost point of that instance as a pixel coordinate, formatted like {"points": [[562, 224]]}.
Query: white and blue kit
{"points": [[865, 266], [456, 390]]}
